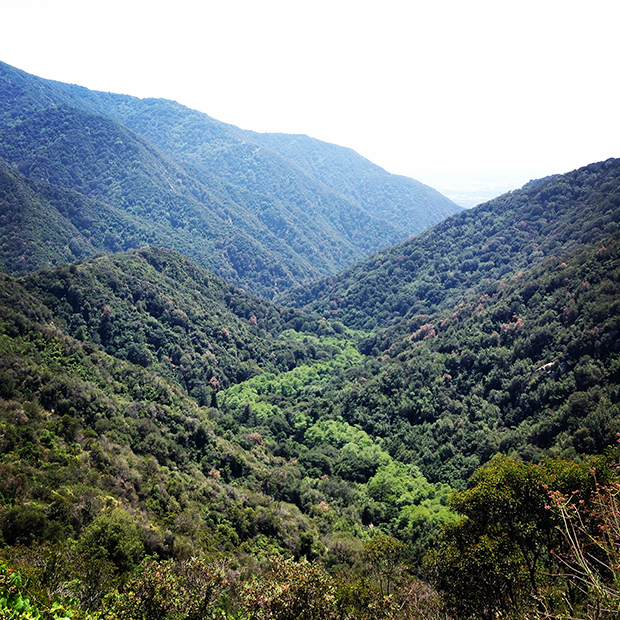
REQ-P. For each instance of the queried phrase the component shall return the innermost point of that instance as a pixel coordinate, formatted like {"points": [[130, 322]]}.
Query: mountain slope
{"points": [[90, 435], [530, 367], [467, 252], [407, 204], [157, 309], [258, 218], [45, 224], [104, 161], [195, 137], [24, 214]]}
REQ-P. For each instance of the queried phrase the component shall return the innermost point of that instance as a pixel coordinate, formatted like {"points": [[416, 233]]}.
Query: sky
{"points": [[472, 97]]}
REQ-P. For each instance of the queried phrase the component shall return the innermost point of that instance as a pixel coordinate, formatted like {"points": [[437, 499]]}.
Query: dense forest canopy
{"points": [[431, 433], [171, 176]]}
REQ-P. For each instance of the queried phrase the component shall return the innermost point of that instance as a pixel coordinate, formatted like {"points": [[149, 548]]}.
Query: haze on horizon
{"points": [[471, 98]]}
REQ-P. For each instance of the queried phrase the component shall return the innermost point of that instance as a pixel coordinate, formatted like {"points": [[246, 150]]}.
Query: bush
{"points": [[25, 524], [170, 590], [114, 536]]}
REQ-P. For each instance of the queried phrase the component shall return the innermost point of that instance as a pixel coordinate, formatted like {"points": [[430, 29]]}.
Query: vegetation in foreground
{"points": [[171, 447], [535, 541], [120, 477]]}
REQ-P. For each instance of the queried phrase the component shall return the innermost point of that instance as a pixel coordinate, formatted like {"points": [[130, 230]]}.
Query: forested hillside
{"points": [[157, 309], [150, 408], [44, 224], [217, 193], [468, 252], [430, 434], [103, 444], [101, 160], [283, 166]]}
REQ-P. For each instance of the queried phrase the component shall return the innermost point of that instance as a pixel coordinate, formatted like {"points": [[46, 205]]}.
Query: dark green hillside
{"points": [[104, 161], [115, 458], [45, 224], [530, 367], [34, 233], [97, 157], [157, 309], [466, 253]]}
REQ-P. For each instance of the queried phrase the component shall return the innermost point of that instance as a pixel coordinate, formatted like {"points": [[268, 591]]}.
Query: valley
{"points": [[255, 376]]}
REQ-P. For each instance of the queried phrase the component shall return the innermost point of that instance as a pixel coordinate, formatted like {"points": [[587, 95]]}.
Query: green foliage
{"points": [[23, 524], [172, 176], [591, 558], [291, 590], [385, 555], [15, 605], [12, 601], [257, 391], [499, 558], [115, 537]]}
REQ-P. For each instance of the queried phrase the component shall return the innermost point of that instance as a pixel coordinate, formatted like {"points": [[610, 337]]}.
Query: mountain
{"points": [[276, 164], [465, 254], [44, 224], [149, 408], [430, 433], [157, 309], [234, 201], [105, 366], [103, 161]]}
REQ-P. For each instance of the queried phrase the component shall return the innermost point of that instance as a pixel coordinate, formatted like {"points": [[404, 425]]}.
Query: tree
{"points": [[499, 558], [116, 537], [385, 556]]}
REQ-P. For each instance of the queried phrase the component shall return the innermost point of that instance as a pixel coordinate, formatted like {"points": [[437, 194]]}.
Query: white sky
{"points": [[465, 95]]}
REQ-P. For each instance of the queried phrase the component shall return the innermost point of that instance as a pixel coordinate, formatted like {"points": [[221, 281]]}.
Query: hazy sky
{"points": [[464, 95]]}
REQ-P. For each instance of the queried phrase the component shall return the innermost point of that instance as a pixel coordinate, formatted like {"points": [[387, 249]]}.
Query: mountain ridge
{"points": [[265, 203], [473, 248]]}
